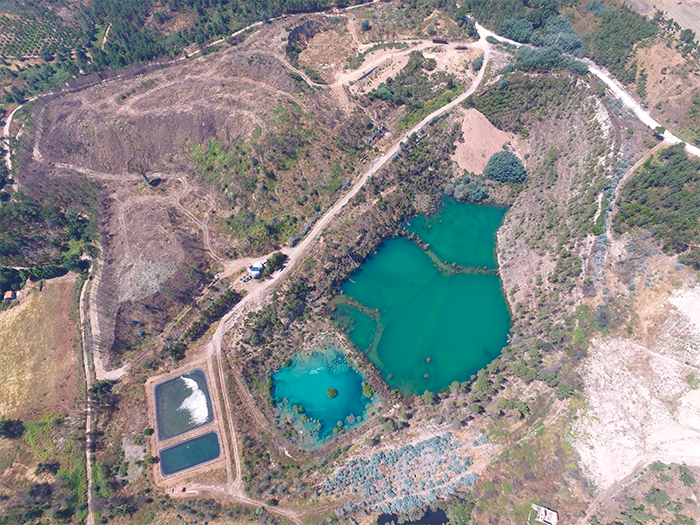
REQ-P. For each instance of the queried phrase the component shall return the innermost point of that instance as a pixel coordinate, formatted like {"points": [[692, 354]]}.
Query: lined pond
{"points": [[189, 453], [319, 393], [182, 404], [429, 310]]}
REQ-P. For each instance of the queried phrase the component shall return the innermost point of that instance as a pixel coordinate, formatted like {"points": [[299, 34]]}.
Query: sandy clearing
{"points": [[640, 405], [686, 13], [391, 68], [481, 140], [688, 302]]}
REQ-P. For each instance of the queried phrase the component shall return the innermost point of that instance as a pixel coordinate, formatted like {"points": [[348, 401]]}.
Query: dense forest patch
{"points": [[612, 42], [664, 196]]}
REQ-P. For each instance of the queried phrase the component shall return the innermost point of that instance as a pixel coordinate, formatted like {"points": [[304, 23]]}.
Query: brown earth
{"points": [[39, 343], [164, 242], [481, 140], [686, 13], [328, 51], [672, 84], [639, 489]]}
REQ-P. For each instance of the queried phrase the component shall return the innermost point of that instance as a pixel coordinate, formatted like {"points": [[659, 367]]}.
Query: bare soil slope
{"points": [[643, 397], [481, 140], [241, 153]]}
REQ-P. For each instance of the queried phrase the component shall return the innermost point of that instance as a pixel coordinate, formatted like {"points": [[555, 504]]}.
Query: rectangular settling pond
{"points": [[190, 453], [182, 404]]}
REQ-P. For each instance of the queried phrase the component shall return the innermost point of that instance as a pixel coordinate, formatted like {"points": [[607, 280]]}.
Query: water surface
{"points": [[304, 384], [461, 233], [189, 453], [423, 323], [182, 404]]}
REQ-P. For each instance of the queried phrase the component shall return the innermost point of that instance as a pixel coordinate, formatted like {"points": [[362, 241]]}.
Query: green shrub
{"points": [[658, 466], [686, 476], [598, 8], [564, 390], [518, 30], [659, 498], [11, 428], [664, 196], [559, 33], [274, 263], [691, 258], [504, 166]]}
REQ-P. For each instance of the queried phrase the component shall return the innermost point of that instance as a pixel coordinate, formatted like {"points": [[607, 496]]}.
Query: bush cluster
{"points": [[505, 166]]}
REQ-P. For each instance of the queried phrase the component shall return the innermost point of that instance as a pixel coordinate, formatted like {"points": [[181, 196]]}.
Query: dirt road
{"points": [[619, 91], [88, 414], [261, 292]]}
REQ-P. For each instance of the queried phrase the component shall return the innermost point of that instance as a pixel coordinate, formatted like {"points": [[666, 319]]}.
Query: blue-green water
{"points": [[352, 319], [182, 404], [304, 384], [432, 324], [189, 453], [461, 233]]}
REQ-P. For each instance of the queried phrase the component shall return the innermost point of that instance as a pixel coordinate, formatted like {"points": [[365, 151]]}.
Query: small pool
{"points": [[190, 453], [321, 394], [431, 517], [182, 404]]}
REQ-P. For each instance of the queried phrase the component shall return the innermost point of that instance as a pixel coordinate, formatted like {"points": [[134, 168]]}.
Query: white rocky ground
{"points": [[643, 402]]}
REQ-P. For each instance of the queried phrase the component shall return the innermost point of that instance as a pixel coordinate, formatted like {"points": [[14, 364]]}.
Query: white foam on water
{"points": [[195, 403]]}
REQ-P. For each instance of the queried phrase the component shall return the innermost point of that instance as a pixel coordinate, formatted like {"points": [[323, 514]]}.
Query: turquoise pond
{"points": [[304, 384], [461, 233], [182, 404], [189, 453], [424, 323]]}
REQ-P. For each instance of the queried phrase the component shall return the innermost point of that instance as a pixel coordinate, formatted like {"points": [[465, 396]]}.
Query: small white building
{"points": [[545, 515], [255, 269]]}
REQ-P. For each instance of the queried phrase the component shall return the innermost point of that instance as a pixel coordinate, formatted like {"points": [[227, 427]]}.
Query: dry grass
{"points": [[38, 351]]}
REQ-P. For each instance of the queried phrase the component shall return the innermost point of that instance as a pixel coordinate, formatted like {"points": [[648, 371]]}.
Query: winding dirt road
{"points": [[263, 290]]}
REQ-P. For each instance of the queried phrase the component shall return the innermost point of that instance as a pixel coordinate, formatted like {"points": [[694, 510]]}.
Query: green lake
{"points": [[424, 323], [182, 404], [301, 394], [189, 453], [464, 234]]}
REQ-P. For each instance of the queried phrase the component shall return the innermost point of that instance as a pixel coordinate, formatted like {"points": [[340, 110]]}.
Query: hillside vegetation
{"points": [[664, 197]]}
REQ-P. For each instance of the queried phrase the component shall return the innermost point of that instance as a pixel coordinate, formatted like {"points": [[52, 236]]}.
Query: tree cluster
{"points": [[664, 196], [505, 166], [466, 189]]}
